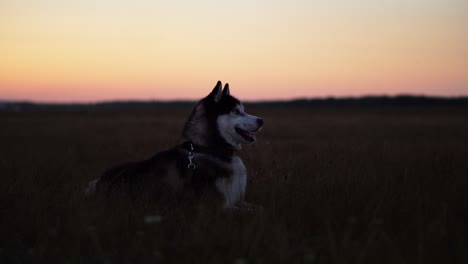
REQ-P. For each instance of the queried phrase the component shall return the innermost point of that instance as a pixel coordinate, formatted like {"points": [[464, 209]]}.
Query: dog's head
{"points": [[221, 118]]}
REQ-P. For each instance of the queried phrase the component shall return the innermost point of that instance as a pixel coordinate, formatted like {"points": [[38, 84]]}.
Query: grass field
{"points": [[338, 185]]}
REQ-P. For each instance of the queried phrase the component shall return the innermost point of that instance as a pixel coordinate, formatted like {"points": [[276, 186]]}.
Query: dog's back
{"points": [[136, 179], [165, 176]]}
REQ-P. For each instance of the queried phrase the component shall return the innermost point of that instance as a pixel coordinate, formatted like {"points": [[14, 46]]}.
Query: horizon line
{"points": [[278, 100]]}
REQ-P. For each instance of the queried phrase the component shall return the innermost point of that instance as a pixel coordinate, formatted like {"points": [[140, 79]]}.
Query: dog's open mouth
{"points": [[247, 135]]}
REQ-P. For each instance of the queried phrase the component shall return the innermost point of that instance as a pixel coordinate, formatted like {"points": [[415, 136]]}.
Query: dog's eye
{"points": [[236, 112]]}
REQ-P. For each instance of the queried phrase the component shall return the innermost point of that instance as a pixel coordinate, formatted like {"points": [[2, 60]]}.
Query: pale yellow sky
{"points": [[105, 50]]}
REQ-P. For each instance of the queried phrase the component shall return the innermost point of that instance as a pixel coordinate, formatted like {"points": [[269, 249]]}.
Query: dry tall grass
{"points": [[350, 185]]}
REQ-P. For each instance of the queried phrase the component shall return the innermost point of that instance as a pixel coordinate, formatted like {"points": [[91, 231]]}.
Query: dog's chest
{"points": [[233, 187]]}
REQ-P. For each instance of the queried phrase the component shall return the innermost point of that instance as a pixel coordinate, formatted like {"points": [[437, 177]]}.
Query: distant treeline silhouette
{"points": [[366, 101], [373, 101]]}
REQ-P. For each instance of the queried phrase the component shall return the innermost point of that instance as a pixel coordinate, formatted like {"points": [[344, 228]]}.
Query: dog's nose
{"points": [[260, 121]]}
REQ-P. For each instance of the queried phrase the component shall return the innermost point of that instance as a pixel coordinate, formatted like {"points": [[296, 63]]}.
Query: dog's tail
{"points": [[91, 188]]}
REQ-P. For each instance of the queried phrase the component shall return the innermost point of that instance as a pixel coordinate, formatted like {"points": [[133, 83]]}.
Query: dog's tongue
{"points": [[250, 136]]}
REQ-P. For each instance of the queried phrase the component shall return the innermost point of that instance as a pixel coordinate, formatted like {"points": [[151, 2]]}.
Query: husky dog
{"points": [[204, 165]]}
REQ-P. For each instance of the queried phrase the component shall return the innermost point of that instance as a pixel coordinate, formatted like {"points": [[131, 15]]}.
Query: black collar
{"points": [[224, 153]]}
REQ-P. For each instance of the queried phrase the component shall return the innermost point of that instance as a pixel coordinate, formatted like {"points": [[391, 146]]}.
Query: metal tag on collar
{"points": [[190, 156]]}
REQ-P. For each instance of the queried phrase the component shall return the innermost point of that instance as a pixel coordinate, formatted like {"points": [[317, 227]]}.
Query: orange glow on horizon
{"points": [[88, 51]]}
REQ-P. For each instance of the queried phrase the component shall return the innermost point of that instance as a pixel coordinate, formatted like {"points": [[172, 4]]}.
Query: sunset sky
{"points": [[98, 50]]}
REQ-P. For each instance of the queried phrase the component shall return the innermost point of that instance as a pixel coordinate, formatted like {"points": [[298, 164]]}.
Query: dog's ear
{"points": [[217, 92], [226, 89]]}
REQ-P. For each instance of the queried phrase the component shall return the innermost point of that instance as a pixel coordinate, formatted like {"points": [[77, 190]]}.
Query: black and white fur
{"points": [[204, 165]]}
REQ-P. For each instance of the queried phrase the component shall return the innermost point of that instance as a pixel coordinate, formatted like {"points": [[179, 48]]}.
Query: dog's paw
{"points": [[251, 208], [244, 208]]}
